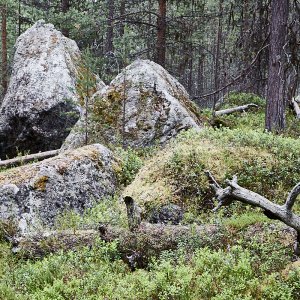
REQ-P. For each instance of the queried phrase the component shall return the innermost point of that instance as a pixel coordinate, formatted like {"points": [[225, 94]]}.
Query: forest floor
{"points": [[252, 256]]}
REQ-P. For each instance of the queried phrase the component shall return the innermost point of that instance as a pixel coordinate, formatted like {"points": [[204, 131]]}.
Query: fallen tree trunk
{"points": [[40, 244], [137, 244], [142, 241], [136, 247], [235, 109], [296, 108], [284, 213], [27, 158]]}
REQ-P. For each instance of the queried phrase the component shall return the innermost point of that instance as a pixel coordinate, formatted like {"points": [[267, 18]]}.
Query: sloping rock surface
{"points": [[36, 194], [142, 106], [39, 108]]}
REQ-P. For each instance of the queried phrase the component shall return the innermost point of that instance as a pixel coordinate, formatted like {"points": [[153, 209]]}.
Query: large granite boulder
{"points": [[40, 106], [142, 106], [36, 194]]}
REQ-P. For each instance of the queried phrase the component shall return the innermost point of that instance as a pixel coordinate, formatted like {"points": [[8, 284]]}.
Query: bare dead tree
{"points": [[225, 196]]}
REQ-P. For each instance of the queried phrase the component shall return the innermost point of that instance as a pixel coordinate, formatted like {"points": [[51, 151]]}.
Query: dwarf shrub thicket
{"points": [[98, 273]]}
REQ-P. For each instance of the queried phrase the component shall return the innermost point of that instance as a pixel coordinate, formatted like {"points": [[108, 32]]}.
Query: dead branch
{"points": [[27, 158], [274, 211], [244, 73], [236, 109]]}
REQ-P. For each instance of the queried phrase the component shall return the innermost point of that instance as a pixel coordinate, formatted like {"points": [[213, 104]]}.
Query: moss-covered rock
{"points": [[36, 194], [264, 163], [142, 106]]}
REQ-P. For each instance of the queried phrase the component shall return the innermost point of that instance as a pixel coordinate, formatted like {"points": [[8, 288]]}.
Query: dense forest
{"points": [[149, 149], [211, 47]]}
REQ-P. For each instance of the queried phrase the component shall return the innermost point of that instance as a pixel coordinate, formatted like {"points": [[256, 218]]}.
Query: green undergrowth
{"points": [[110, 210], [250, 258], [246, 268], [254, 118]]}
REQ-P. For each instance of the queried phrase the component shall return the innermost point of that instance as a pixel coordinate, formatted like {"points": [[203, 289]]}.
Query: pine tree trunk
{"points": [[200, 75], [4, 47], [122, 13], [275, 112], [161, 33], [110, 28], [217, 53], [65, 6]]}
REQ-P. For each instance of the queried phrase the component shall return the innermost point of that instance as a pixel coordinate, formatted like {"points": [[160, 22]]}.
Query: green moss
{"points": [[241, 221]]}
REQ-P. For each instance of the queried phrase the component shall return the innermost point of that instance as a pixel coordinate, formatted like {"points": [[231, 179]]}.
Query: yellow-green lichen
{"points": [[41, 183]]}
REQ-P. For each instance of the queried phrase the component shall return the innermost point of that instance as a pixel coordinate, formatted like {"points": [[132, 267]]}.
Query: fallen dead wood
{"points": [[296, 108], [135, 247], [142, 241], [235, 109], [136, 244], [27, 158], [284, 213], [39, 245]]}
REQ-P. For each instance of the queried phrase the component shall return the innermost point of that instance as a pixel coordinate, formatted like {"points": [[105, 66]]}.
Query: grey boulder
{"points": [[41, 105], [142, 106], [34, 195], [167, 214]]}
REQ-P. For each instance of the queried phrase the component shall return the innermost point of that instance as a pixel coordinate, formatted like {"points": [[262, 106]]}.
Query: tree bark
{"points": [[122, 19], [161, 33], [4, 46], [217, 54], [65, 6], [275, 111], [110, 28]]}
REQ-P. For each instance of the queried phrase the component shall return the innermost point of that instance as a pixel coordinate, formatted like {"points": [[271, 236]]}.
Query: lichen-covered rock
{"points": [[142, 106], [36, 194], [39, 107], [167, 214]]}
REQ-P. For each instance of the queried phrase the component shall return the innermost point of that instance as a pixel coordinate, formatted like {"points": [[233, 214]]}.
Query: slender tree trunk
{"points": [[110, 28], [161, 33], [190, 75], [65, 6], [19, 18], [149, 39], [275, 112], [217, 53], [4, 47], [200, 75], [122, 13]]}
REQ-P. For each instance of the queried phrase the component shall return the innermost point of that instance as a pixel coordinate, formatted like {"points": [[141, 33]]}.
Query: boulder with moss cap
{"points": [[142, 106], [34, 195]]}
